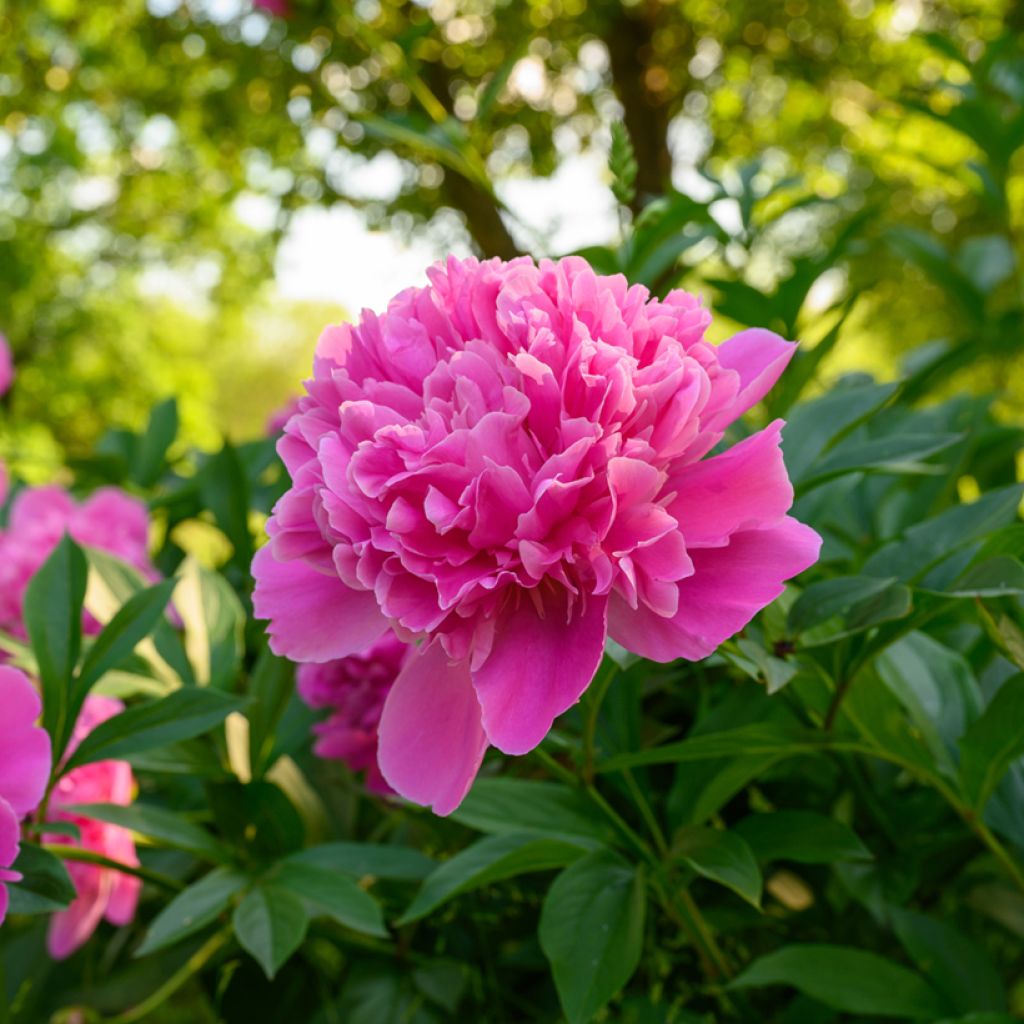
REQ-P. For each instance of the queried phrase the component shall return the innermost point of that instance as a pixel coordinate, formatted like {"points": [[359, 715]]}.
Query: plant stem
{"points": [[195, 963], [647, 812], [605, 675], [76, 853]]}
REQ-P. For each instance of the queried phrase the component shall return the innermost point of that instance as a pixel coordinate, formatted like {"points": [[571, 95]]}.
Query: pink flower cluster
{"points": [[109, 519], [24, 768], [354, 688], [510, 465], [102, 892]]}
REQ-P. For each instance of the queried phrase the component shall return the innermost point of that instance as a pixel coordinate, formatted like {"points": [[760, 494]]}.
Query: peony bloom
{"points": [[109, 519], [509, 465], [6, 366], [102, 892], [354, 688], [24, 768]]}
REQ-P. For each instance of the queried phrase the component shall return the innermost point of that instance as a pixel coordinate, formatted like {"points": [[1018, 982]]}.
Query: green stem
{"points": [[596, 696], [195, 963], [76, 853], [647, 813]]}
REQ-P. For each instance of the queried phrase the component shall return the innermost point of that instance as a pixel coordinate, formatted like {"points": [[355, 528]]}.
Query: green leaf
{"points": [[45, 885], [337, 896], [151, 453], [893, 454], [193, 909], [957, 966], [993, 743], [368, 860], [225, 492], [53, 618], [820, 601], [490, 860], [270, 923], [721, 856], [133, 622], [166, 827], [271, 685], [591, 931], [179, 716], [800, 836], [499, 806], [848, 980], [1001, 576]]}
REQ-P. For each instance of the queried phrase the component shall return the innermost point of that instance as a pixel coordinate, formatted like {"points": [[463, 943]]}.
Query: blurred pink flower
{"points": [[109, 519], [354, 688], [279, 8], [509, 464], [102, 892], [24, 768], [6, 366], [277, 419]]}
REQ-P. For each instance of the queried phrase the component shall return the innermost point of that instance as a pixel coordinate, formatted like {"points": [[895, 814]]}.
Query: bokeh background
{"points": [[191, 189]]}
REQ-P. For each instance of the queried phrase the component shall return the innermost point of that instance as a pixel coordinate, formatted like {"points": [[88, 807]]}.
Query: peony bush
{"points": [[551, 663]]}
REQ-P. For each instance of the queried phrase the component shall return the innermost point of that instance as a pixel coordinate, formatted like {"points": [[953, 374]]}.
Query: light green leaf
{"points": [[721, 856], [993, 743]]}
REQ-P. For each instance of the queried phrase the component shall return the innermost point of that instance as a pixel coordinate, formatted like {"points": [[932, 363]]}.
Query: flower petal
{"points": [[431, 739], [314, 617], [24, 747], [729, 586], [759, 357], [537, 669], [744, 488]]}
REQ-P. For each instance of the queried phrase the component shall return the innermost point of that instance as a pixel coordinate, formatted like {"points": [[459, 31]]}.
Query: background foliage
{"points": [[821, 823]]}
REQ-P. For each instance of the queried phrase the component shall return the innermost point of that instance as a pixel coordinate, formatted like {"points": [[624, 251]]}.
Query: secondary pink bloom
{"points": [[6, 366], [510, 464], [109, 519], [24, 768], [277, 419], [354, 688], [279, 8], [102, 892]]}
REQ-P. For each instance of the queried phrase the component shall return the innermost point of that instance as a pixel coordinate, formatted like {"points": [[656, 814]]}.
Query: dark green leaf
{"points": [[820, 601], [993, 743], [53, 618], [193, 909], [151, 453], [45, 885], [800, 836], [490, 860], [337, 896], [848, 980], [368, 860], [498, 806], [722, 857], [225, 492], [270, 686], [167, 827], [591, 930], [270, 923], [1000, 576], [179, 716]]}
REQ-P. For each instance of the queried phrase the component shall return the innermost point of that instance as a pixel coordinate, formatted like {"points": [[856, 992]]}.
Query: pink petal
{"points": [[728, 587], [431, 739], [70, 929], [24, 747], [744, 488], [759, 357], [537, 668], [314, 617]]}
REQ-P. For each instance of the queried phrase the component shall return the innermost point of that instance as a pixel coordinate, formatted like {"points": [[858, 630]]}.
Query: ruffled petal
{"points": [[759, 357], [538, 667], [729, 586], [313, 616], [744, 488], [431, 738]]}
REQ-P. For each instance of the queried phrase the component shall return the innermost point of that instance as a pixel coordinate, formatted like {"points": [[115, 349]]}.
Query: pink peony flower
{"points": [[279, 8], [279, 418], [354, 688], [6, 366], [24, 768], [109, 519], [510, 465], [102, 892]]}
